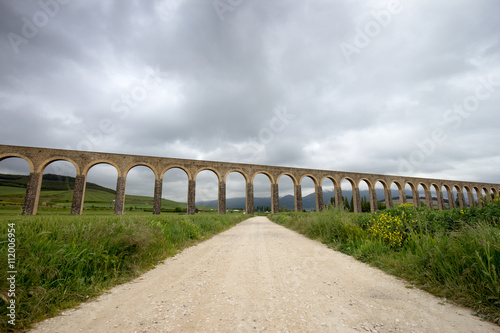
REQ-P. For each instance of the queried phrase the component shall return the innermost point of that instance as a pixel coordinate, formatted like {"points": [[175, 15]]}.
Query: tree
{"points": [[365, 205], [346, 204]]}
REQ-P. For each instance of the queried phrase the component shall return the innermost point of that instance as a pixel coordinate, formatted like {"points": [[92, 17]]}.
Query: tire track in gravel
{"points": [[261, 277]]}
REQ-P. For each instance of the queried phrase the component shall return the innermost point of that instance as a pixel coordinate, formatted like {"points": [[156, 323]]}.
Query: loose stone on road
{"points": [[259, 276]]}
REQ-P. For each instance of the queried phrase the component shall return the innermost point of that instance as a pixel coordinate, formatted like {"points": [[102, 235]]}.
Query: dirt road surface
{"points": [[261, 277]]}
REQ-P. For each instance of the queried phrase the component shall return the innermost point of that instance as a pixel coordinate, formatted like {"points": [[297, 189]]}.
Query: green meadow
{"points": [[59, 201], [453, 254], [62, 261]]}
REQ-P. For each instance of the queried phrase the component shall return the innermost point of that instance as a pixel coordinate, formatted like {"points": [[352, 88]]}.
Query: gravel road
{"points": [[259, 276]]}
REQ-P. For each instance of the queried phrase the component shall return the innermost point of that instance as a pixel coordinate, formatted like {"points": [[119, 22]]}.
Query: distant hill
{"points": [[308, 201], [288, 201], [58, 190], [50, 182]]}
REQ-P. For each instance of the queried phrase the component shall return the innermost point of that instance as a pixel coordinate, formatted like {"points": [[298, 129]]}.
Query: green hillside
{"points": [[50, 182], [57, 191]]}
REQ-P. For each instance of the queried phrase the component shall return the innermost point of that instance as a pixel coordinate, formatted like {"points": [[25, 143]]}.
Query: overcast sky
{"points": [[391, 87]]}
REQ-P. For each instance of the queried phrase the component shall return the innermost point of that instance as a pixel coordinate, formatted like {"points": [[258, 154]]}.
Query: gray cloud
{"points": [[170, 78]]}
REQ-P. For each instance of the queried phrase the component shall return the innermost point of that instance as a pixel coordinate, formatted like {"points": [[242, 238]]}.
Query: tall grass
{"points": [[64, 260], [453, 254]]}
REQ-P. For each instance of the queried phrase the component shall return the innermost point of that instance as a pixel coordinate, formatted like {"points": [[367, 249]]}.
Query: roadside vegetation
{"points": [[64, 260], [453, 254]]}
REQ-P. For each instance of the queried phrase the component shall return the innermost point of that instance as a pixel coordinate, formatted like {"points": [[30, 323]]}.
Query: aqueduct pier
{"points": [[39, 158]]}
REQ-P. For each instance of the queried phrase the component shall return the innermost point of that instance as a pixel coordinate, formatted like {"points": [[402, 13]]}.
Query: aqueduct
{"points": [[39, 158]]}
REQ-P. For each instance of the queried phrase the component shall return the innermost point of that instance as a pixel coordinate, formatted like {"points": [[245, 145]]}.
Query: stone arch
{"points": [[289, 189], [414, 191], [46, 162], [214, 170], [335, 199], [145, 178], [15, 155], [202, 191], [86, 197], [356, 201], [372, 197], [449, 195], [314, 179], [144, 164], [439, 195], [349, 179], [167, 180], [178, 166], [290, 175], [460, 195], [401, 192], [477, 201], [20, 167], [427, 194], [332, 179], [318, 193], [468, 197], [233, 180], [486, 195], [387, 192], [87, 167], [250, 191], [493, 192], [59, 164], [241, 172], [269, 175]]}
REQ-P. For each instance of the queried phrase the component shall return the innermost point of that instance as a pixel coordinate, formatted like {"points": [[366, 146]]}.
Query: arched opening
{"points": [[207, 191], [493, 194], [308, 194], [396, 191], [485, 198], [477, 196], [262, 193], [364, 195], [14, 173], [286, 193], [140, 189], [433, 190], [174, 191], [447, 197], [410, 194], [468, 197], [347, 187], [422, 195], [235, 192], [383, 201], [58, 182], [456, 196], [328, 187], [100, 188], [436, 197]]}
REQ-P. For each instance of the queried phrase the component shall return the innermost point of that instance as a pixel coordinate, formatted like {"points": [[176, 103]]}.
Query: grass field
{"points": [[453, 254], [59, 201], [64, 260]]}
